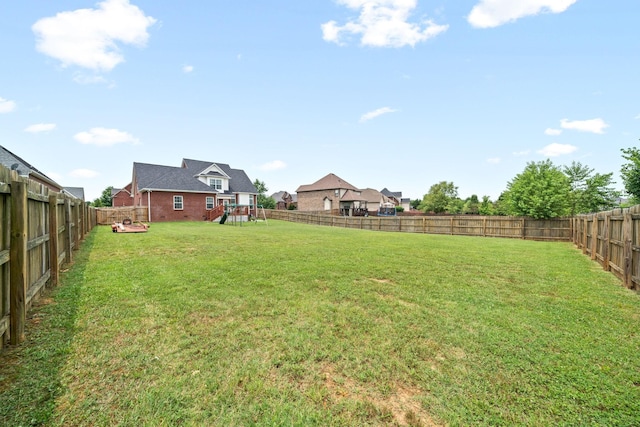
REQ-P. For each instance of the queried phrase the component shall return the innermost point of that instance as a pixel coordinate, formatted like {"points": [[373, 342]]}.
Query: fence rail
{"points": [[39, 229], [559, 229], [612, 238]]}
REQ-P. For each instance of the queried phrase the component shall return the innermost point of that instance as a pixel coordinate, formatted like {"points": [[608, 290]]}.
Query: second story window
{"points": [[215, 183]]}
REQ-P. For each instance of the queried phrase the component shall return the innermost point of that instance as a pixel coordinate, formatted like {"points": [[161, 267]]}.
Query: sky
{"points": [[396, 94]]}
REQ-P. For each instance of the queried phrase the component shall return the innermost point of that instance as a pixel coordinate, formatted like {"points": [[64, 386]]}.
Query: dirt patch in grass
{"points": [[402, 402]]}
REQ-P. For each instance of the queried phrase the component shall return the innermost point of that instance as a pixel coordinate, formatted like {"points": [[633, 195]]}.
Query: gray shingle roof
{"points": [[77, 192], [12, 161], [239, 182], [158, 177]]}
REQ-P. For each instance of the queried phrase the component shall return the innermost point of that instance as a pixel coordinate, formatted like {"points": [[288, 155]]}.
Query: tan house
{"points": [[336, 195], [324, 194]]}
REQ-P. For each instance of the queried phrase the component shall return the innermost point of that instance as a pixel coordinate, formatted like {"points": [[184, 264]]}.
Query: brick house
{"points": [[191, 192], [285, 200], [121, 196], [332, 193]]}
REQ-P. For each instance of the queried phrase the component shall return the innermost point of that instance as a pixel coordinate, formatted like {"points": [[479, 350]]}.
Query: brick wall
{"points": [[122, 198], [193, 209], [314, 200]]}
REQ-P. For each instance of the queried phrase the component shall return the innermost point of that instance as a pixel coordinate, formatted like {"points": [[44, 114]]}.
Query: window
{"points": [[177, 203], [209, 203], [215, 183], [251, 202]]}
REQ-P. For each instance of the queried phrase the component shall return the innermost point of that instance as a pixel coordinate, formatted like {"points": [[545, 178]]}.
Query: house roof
{"points": [[77, 192], [351, 196], [329, 182], [239, 182], [396, 194], [280, 195], [373, 196], [12, 161], [170, 178]]}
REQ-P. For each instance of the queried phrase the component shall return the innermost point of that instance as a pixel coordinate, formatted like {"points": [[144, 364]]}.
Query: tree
{"points": [[541, 191], [264, 200], [105, 198], [631, 172], [471, 205], [439, 197], [486, 207], [589, 192]]}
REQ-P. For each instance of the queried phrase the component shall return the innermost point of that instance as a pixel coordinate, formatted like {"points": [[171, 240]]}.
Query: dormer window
{"points": [[215, 183]]}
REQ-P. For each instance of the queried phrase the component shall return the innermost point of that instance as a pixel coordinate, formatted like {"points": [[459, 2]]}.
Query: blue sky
{"points": [[399, 94]]}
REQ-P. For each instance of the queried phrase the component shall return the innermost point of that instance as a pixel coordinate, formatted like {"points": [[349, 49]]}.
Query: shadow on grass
{"points": [[30, 372]]}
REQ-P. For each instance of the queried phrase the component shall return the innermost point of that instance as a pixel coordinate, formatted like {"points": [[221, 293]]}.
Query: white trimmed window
{"points": [[209, 203], [178, 204], [215, 183]]}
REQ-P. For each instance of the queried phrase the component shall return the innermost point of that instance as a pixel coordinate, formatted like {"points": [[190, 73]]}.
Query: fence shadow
{"points": [[30, 373]]}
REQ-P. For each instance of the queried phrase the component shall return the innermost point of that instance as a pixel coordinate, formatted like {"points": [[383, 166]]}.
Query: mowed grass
{"points": [[294, 325]]}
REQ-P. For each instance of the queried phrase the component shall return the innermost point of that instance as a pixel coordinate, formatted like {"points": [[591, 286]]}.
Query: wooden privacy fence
{"points": [[107, 216], [558, 229], [612, 238], [39, 229]]}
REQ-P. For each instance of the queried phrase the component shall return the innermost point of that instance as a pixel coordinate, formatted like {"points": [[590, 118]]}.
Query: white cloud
{"points": [[105, 137], [637, 117], [552, 132], [83, 173], [375, 113], [382, 23], [6, 106], [494, 160], [88, 37], [493, 13], [555, 149], [187, 69], [40, 127], [272, 166], [593, 125]]}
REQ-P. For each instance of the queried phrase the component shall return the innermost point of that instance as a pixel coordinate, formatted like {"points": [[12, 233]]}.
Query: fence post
{"points": [[68, 237], [523, 227], [53, 239], [18, 260], [605, 241], [594, 236], [627, 229]]}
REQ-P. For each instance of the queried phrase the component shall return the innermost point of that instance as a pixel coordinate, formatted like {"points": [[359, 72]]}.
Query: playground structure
{"points": [[239, 214]]}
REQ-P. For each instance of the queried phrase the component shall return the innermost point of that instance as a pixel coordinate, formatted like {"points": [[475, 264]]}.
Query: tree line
{"points": [[543, 190]]}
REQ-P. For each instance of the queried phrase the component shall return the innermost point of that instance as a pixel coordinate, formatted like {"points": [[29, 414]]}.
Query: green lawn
{"points": [[287, 324]]}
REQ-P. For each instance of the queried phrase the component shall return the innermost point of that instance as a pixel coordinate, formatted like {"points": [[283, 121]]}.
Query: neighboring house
{"points": [[395, 197], [24, 169], [324, 194], [121, 196], [191, 192], [77, 192], [284, 200], [332, 193]]}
